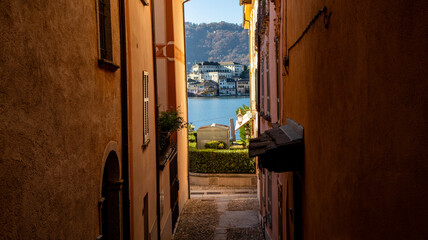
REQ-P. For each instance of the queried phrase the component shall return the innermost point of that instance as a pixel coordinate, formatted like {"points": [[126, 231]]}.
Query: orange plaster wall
{"points": [[181, 99], [359, 90], [59, 111], [142, 161]]}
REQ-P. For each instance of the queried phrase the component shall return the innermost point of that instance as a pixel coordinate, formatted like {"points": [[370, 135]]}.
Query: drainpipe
{"points": [[155, 78], [185, 79], [124, 105]]}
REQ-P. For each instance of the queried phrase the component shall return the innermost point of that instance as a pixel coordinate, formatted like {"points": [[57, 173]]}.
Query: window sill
{"points": [[107, 65]]}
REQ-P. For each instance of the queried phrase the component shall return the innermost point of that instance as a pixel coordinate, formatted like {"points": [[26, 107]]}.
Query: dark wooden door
{"points": [[174, 183], [280, 210]]}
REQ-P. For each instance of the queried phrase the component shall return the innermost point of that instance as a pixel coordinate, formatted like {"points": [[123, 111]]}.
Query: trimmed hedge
{"points": [[216, 145], [220, 161], [192, 136]]}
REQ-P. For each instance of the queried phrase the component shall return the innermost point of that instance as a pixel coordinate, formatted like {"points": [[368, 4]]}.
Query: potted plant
{"points": [[170, 121]]}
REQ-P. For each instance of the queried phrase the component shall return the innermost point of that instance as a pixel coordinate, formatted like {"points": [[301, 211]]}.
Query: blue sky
{"points": [[206, 11]]}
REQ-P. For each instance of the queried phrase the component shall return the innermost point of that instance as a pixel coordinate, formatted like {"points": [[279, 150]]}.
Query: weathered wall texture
{"points": [[142, 160], [358, 89], [58, 113]]}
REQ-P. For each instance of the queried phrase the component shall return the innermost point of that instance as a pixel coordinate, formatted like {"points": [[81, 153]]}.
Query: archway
{"points": [[110, 202]]}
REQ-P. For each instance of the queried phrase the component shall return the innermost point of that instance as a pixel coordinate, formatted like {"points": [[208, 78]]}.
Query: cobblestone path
{"points": [[215, 213]]}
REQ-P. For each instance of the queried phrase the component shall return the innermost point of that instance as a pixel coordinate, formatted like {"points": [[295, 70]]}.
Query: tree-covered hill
{"points": [[221, 42]]}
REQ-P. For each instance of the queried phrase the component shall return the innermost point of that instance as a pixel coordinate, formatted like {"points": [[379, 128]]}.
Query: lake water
{"points": [[207, 110]]}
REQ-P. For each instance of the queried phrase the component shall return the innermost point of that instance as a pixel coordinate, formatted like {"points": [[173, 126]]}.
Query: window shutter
{"points": [[262, 82], [145, 108], [269, 214], [267, 86]]}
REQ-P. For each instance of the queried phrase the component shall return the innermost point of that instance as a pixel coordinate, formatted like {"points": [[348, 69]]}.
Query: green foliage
{"points": [[243, 109], [192, 136], [220, 42], [216, 145], [169, 122], [192, 144], [245, 74], [247, 127], [220, 161]]}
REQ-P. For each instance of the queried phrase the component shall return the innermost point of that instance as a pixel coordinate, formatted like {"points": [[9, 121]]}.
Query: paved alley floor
{"points": [[220, 213]]}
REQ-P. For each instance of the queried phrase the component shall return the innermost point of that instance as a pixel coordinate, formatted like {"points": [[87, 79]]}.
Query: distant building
{"points": [[191, 82], [227, 87], [215, 71], [207, 88], [234, 67], [243, 87]]}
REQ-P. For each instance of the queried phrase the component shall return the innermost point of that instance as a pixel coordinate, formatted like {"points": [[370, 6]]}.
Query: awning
{"points": [[280, 149]]}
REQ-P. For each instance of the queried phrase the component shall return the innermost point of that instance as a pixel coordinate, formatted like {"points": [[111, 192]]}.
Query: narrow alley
{"points": [[213, 119], [220, 213]]}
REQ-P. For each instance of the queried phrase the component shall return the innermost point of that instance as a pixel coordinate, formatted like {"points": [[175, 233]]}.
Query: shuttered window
{"points": [[104, 25], [277, 78], [145, 108], [269, 210], [262, 83], [267, 86]]}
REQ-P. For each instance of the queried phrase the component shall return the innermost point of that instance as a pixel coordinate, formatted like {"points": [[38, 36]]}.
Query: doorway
{"points": [[110, 202]]}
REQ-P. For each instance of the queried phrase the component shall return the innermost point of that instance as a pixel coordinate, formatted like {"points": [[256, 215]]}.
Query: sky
{"points": [[207, 11]]}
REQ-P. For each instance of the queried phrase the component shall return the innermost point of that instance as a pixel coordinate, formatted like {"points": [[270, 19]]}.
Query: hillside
{"points": [[221, 42]]}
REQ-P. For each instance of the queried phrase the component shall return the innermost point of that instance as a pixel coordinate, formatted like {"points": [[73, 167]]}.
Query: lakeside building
{"points": [[191, 82], [234, 67], [215, 70], [242, 87], [206, 88], [227, 87]]}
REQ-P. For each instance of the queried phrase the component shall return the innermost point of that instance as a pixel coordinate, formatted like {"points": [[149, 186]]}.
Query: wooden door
{"points": [[174, 183]]}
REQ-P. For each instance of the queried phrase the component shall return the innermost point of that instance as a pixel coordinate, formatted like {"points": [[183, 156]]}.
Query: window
{"points": [[104, 22], [267, 86], [145, 91], [277, 78], [269, 211], [263, 189], [280, 212], [105, 44], [262, 82]]}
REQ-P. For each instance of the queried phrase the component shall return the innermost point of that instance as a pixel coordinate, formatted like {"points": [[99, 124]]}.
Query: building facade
{"points": [[215, 71], [171, 78], [332, 100], [243, 87], [234, 67], [227, 87], [80, 157]]}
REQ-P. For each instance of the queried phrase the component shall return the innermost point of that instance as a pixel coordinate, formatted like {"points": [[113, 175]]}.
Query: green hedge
{"points": [[216, 145], [220, 161], [192, 136]]}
